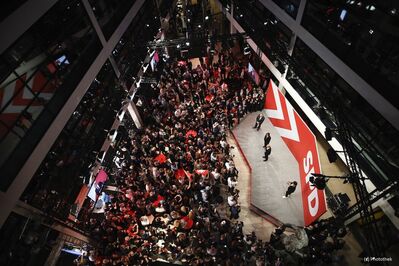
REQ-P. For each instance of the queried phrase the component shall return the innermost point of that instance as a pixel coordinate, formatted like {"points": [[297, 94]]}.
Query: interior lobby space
{"points": [[199, 132]]}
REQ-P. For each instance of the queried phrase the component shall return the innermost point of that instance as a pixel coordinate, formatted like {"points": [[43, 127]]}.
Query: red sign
{"points": [[302, 144]]}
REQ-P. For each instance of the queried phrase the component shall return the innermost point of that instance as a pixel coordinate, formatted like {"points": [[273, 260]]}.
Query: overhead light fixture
{"points": [[241, 15], [188, 43], [320, 182], [371, 31], [328, 134], [247, 50], [207, 17], [100, 156], [393, 11], [178, 46], [370, 7], [332, 155]]}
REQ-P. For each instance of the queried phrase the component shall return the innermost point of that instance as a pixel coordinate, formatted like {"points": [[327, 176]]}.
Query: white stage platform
{"points": [[269, 179]]}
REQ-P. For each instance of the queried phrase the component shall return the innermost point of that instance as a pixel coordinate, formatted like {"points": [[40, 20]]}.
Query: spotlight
{"points": [[332, 155], [178, 46], [207, 17], [188, 43], [328, 134], [318, 182], [241, 15], [199, 26]]}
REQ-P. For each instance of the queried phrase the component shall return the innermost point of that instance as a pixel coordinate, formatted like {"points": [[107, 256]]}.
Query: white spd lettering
{"points": [[313, 197]]}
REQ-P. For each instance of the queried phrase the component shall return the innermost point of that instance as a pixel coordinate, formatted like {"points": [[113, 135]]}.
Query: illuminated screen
{"points": [[343, 14], [62, 60]]}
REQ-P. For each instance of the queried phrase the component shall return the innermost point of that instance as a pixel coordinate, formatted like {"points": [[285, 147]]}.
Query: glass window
{"points": [[67, 165], [363, 35], [270, 34], [134, 39], [289, 6], [37, 75], [8, 7], [322, 89], [109, 13]]}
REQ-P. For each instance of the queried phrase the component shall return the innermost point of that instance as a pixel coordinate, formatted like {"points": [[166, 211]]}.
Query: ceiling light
{"points": [[207, 17], [187, 43], [371, 31], [247, 50]]}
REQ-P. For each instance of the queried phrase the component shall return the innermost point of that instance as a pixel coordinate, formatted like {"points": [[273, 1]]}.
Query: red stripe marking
{"points": [[252, 207]]}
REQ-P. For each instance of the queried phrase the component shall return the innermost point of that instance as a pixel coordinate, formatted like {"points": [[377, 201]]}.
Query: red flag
{"points": [[189, 222], [161, 158], [180, 173], [202, 172], [191, 133], [209, 98], [156, 203]]}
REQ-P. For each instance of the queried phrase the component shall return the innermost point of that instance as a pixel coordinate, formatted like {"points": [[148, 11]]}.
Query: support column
{"points": [[115, 66], [233, 30], [94, 21], [290, 49], [134, 113], [55, 252]]}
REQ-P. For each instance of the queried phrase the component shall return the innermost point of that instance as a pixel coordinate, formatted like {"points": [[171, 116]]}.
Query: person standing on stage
{"points": [[259, 120], [266, 139], [268, 150], [291, 188]]}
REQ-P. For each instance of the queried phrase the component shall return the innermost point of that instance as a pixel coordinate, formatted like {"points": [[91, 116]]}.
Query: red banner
{"points": [[302, 144]]}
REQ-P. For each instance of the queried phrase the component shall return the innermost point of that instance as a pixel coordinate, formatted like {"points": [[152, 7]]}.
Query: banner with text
{"points": [[302, 144]]}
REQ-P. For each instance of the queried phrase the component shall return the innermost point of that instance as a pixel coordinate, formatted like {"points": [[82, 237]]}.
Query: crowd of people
{"points": [[177, 174]]}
